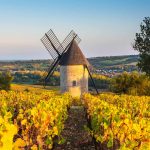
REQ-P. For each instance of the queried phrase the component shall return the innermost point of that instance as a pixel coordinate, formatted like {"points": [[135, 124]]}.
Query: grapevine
{"points": [[114, 125], [34, 120]]}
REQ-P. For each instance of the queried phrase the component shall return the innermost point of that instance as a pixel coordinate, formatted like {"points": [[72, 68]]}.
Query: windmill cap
{"points": [[73, 56]]}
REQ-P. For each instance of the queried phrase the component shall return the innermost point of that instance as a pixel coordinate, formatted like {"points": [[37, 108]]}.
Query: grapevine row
{"points": [[32, 121], [114, 126]]}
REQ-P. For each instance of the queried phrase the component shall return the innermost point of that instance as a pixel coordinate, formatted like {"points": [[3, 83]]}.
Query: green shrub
{"points": [[131, 83], [5, 80]]}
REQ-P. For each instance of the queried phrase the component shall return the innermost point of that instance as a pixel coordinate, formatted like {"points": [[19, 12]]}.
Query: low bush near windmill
{"points": [[5, 80], [119, 121], [131, 83], [31, 121]]}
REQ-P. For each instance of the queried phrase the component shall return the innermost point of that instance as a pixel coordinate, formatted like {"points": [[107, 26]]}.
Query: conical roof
{"points": [[73, 56]]}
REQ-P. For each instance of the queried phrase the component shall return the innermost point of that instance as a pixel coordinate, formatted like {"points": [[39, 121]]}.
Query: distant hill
{"points": [[113, 61], [97, 62]]}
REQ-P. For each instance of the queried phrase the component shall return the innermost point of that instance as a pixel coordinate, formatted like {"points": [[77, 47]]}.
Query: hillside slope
{"points": [[102, 62], [97, 62]]}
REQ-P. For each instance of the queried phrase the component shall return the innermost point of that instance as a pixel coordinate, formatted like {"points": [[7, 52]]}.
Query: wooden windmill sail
{"points": [[74, 67]]}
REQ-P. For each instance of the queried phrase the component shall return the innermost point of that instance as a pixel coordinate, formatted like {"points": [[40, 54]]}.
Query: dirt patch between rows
{"points": [[77, 138]]}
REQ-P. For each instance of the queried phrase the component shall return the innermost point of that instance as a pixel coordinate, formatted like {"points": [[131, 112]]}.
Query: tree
{"points": [[142, 45], [5, 80], [131, 83]]}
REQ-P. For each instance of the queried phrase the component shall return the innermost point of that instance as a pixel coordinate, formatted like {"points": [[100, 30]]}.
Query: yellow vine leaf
{"points": [[19, 144]]}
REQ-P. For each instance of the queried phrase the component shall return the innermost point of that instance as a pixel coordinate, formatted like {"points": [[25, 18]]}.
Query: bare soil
{"points": [[77, 138]]}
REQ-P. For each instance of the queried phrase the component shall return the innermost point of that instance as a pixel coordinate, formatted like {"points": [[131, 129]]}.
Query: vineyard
{"points": [[31, 121], [119, 122], [35, 120]]}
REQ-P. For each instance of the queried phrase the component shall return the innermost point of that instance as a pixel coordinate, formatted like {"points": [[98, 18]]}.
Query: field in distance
{"points": [[33, 88]]}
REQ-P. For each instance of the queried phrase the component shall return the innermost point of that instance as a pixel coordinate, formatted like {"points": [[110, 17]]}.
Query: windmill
{"points": [[74, 67]]}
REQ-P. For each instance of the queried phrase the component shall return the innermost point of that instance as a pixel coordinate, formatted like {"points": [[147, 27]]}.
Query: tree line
{"points": [[5, 80]]}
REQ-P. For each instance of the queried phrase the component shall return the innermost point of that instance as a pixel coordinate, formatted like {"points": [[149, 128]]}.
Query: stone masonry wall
{"points": [[77, 73]]}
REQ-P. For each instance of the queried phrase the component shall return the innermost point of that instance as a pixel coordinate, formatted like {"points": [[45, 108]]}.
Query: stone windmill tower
{"points": [[74, 75], [74, 67]]}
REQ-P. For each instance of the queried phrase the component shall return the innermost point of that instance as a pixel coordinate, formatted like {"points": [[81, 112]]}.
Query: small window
{"points": [[74, 83]]}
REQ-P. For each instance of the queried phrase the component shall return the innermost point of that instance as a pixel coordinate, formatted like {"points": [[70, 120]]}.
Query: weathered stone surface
{"points": [[71, 73]]}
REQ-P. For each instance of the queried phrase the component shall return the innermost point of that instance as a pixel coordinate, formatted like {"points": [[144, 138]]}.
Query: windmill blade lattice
{"points": [[67, 41], [49, 47], [52, 44], [56, 49], [54, 40]]}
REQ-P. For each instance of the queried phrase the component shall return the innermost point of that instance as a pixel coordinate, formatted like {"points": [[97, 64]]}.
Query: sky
{"points": [[106, 27]]}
